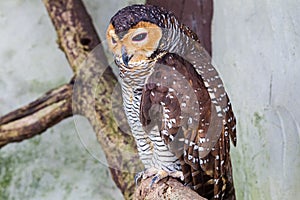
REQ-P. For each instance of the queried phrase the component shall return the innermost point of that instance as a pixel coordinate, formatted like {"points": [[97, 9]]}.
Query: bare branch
{"points": [[36, 117], [168, 188]]}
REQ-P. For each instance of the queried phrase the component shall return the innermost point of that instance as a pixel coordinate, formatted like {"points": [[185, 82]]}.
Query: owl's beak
{"points": [[125, 57]]}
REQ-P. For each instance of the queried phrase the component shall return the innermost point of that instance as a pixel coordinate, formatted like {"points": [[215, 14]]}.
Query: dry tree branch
{"points": [[168, 188], [36, 117]]}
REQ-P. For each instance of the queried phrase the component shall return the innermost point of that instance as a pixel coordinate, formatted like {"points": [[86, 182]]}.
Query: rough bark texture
{"points": [[89, 93], [196, 14], [76, 34], [167, 188], [37, 116]]}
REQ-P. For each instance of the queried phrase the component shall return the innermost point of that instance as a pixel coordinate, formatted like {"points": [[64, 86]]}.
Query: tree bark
{"points": [[168, 188], [89, 93], [94, 85], [37, 116]]}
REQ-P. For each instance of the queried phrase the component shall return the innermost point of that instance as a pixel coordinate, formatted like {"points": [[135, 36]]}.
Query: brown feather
{"points": [[212, 174]]}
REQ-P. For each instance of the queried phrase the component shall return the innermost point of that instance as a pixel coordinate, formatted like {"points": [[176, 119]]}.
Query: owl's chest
{"points": [[134, 79], [150, 143], [132, 95]]}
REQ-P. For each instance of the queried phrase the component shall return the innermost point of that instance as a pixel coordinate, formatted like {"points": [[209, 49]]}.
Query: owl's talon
{"points": [[160, 174], [155, 179], [138, 177], [187, 184]]}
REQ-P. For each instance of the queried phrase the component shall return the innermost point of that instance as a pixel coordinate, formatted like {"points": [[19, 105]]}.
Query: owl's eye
{"points": [[113, 40], [139, 37]]}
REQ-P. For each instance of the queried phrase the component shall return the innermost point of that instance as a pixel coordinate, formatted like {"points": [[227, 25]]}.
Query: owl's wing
{"points": [[184, 120], [185, 115]]}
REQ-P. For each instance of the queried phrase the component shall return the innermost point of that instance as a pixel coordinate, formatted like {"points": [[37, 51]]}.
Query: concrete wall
{"points": [[256, 46]]}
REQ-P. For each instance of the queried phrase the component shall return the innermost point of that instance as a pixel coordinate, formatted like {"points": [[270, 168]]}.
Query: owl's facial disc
{"points": [[136, 45]]}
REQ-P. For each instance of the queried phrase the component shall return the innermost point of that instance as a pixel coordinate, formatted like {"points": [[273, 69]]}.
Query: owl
{"points": [[174, 100]]}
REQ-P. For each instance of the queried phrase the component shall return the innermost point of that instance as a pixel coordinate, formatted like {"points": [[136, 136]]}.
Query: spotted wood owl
{"points": [[174, 100]]}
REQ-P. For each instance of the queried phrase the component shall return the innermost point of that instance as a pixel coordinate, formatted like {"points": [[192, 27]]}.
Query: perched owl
{"points": [[174, 100]]}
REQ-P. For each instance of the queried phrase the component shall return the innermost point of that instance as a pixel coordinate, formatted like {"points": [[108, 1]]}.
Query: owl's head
{"points": [[135, 32]]}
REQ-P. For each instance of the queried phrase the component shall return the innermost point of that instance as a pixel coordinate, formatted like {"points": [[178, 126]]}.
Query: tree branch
{"points": [[36, 117], [94, 87], [75, 31], [168, 188]]}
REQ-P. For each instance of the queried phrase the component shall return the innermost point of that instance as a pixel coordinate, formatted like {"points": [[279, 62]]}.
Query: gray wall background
{"points": [[256, 45], [256, 50]]}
